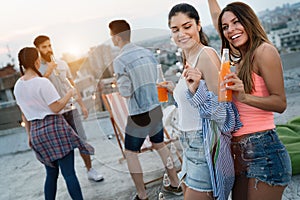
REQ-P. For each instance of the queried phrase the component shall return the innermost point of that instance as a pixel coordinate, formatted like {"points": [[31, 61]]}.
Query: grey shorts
{"points": [[73, 118], [194, 172]]}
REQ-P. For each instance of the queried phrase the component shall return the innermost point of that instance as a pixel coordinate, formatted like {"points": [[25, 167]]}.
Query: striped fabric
{"points": [[219, 120], [53, 138], [119, 111]]}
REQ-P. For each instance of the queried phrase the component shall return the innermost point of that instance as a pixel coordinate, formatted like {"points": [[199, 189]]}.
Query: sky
{"points": [[76, 25]]}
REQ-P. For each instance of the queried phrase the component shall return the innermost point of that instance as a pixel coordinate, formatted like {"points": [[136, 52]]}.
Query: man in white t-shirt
{"points": [[59, 74]]}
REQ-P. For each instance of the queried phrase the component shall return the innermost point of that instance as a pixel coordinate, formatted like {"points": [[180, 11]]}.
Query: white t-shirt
{"points": [[59, 79], [34, 97]]}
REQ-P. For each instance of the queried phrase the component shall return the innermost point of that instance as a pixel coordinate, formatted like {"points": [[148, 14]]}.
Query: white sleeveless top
{"points": [[188, 117]]}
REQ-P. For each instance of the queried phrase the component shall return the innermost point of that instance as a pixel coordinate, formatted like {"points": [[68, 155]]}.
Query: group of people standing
{"points": [[227, 146], [45, 95]]}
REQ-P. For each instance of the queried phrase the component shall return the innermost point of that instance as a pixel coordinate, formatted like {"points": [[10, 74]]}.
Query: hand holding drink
{"points": [[224, 95], [74, 93], [56, 72]]}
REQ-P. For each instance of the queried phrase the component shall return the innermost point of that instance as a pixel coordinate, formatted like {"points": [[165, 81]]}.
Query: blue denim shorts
{"points": [[140, 126], [194, 172], [262, 156], [135, 143]]}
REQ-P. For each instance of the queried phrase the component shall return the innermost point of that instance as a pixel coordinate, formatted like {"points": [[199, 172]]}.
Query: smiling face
{"points": [[233, 30], [185, 31]]}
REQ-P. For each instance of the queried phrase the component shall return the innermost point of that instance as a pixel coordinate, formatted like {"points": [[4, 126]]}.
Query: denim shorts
{"points": [[262, 156], [194, 172], [135, 143], [140, 126]]}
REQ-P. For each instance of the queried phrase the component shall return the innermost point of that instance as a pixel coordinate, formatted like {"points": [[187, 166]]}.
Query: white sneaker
{"points": [[94, 175]]}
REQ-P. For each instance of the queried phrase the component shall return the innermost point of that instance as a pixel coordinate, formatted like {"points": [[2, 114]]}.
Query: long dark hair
{"points": [[256, 36], [192, 13], [27, 57]]}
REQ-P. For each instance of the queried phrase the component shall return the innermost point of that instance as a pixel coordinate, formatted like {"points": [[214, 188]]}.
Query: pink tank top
{"points": [[255, 119]]}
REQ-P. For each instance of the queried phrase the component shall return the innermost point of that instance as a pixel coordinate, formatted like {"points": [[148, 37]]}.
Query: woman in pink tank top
{"points": [[262, 164]]}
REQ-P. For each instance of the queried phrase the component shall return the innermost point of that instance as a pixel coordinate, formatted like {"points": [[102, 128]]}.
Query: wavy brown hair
{"points": [[256, 36]]}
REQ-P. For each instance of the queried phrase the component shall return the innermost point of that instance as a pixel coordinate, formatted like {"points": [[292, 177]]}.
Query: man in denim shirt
{"points": [[135, 69]]}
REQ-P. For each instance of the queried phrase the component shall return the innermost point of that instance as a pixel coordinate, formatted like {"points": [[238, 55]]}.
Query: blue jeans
{"points": [[66, 164]]}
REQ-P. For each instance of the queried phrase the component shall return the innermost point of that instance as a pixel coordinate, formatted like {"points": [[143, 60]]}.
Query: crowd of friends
{"points": [[228, 147]]}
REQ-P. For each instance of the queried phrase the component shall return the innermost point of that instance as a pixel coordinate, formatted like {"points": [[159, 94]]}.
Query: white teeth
{"points": [[235, 36]]}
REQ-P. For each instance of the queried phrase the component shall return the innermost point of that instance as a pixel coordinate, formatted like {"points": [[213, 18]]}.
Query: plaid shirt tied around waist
{"points": [[52, 138]]}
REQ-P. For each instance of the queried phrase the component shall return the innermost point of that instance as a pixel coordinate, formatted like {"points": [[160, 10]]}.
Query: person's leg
{"points": [[259, 190], [50, 185], [191, 194], [132, 147], [66, 165], [240, 188], [87, 161], [73, 119], [136, 172], [195, 171], [251, 189], [165, 155]]}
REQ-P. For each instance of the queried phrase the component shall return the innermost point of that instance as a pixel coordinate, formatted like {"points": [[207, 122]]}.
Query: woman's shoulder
{"points": [[209, 49], [208, 52], [209, 56], [265, 49], [266, 56]]}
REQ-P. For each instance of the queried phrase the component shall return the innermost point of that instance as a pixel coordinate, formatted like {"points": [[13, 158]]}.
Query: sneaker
{"points": [[173, 190], [93, 175]]}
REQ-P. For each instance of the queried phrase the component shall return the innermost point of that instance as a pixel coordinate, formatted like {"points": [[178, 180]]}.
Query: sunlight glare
{"points": [[75, 51]]}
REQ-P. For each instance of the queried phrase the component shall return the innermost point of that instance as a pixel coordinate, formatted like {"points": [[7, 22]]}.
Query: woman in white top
{"points": [[200, 61], [49, 135], [206, 124]]}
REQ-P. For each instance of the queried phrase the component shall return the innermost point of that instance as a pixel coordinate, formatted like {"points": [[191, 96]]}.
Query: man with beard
{"points": [[59, 74]]}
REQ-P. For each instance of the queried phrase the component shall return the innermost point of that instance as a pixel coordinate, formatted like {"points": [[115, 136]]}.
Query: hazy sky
{"points": [[76, 25]]}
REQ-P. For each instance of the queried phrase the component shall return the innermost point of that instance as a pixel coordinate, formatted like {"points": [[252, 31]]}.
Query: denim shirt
{"points": [[135, 69]]}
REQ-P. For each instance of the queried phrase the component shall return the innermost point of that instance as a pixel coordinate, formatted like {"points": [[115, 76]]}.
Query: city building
{"points": [[10, 116], [286, 39]]}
